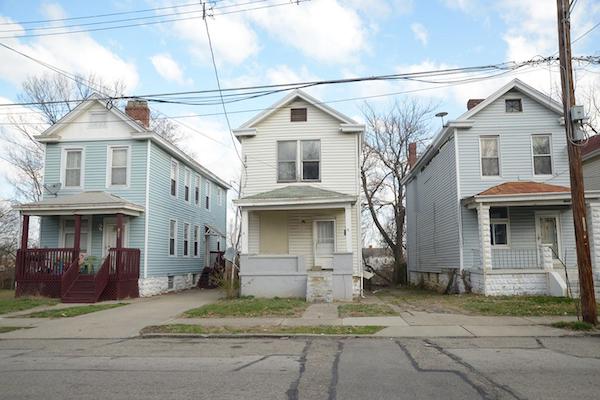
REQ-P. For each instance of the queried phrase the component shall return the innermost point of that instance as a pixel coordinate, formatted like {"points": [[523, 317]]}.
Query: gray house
{"points": [[489, 200]]}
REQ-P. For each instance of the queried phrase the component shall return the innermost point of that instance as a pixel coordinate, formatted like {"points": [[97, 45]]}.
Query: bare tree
{"points": [[9, 232], [165, 127], [384, 165]]}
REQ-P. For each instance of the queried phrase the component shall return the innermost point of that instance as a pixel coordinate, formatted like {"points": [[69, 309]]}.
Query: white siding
{"points": [[591, 173], [339, 151]]}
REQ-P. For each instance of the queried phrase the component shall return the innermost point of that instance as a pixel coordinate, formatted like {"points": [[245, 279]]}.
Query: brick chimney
{"points": [[139, 111], [412, 154], [473, 102]]}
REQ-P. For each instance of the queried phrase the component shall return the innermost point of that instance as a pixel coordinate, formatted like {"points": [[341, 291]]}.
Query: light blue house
{"points": [[111, 183], [488, 202]]}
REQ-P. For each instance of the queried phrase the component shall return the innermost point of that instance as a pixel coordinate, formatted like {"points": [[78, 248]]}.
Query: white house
{"points": [[489, 200], [300, 202]]}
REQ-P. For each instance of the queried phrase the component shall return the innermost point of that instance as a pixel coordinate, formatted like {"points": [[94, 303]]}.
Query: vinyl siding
{"points": [[432, 214], [591, 173], [338, 151], [514, 130], [163, 207]]}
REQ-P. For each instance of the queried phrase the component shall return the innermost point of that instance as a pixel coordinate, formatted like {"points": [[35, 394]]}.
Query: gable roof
{"points": [[465, 121], [291, 97], [139, 133], [591, 148], [523, 187]]}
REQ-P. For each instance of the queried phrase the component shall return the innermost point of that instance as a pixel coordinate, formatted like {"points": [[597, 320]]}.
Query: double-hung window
{"points": [[542, 154], [311, 160], [490, 155], [197, 190], [118, 164], [172, 237], [186, 240], [196, 240], [499, 226], [174, 172], [219, 196], [73, 162], [187, 183], [286, 160], [207, 194], [69, 233]]}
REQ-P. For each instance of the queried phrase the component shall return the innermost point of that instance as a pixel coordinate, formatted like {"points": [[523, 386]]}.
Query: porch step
{"points": [[82, 291]]}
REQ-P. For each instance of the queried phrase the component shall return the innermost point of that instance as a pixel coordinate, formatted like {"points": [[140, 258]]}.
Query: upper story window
{"points": [[513, 105], [98, 119], [73, 163], [207, 195], [298, 114], [286, 160], [490, 155], [311, 160], [499, 226], [219, 196], [197, 190], [542, 154], [187, 182], [172, 237], [174, 173], [118, 161]]}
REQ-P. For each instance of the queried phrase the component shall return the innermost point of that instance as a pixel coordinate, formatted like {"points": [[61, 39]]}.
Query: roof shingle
{"points": [[523, 187]]}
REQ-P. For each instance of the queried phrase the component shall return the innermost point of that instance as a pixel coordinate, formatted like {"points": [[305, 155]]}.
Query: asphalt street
{"points": [[318, 368]]}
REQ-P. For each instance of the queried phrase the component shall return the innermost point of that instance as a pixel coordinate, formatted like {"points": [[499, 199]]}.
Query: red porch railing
{"points": [[124, 274], [101, 278], [39, 271]]}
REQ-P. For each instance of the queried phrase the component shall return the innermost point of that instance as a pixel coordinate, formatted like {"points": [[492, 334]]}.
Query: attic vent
{"points": [[298, 115], [514, 105]]}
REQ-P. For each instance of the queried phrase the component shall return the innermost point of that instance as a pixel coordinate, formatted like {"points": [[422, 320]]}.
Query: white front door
{"points": [[548, 234], [109, 235], [324, 242]]}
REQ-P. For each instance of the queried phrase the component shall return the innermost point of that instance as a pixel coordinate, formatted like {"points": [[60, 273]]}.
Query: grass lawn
{"points": [[314, 330], [364, 310], [573, 325], [424, 300], [250, 307], [73, 311], [9, 304], [4, 329]]}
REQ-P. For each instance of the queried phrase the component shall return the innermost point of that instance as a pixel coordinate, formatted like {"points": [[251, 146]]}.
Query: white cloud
{"points": [[323, 30], [168, 68], [420, 33], [462, 5]]}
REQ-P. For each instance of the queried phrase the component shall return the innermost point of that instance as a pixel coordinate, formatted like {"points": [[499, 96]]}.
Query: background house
{"points": [[489, 200], [299, 202], [111, 183]]}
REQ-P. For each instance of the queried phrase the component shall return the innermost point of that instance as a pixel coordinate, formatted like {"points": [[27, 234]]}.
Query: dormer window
{"points": [[513, 105], [298, 114]]}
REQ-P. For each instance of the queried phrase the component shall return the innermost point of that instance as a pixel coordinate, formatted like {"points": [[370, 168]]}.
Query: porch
{"points": [[76, 263]]}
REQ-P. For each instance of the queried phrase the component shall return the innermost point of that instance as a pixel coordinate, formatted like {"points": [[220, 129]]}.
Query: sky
{"points": [[288, 42]]}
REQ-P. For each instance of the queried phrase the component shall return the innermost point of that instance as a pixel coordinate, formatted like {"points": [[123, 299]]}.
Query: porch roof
{"points": [[525, 193], [84, 203], [294, 195]]}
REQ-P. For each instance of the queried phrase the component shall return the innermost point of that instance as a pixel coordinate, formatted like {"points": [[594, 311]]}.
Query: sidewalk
{"points": [[406, 324]]}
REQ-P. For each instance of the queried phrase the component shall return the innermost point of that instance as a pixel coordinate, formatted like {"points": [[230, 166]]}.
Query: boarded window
{"points": [[286, 161], [542, 154], [298, 115], [490, 160], [513, 105]]}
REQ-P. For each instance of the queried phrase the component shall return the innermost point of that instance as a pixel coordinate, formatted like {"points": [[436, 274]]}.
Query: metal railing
{"points": [[515, 258]]}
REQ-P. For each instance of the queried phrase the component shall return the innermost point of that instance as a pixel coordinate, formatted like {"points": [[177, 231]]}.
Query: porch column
{"points": [[244, 228], [485, 252], [594, 235], [77, 237], [25, 232], [119, 231], [348, 227]]}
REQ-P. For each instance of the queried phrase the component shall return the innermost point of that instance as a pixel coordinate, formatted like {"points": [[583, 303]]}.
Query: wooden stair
{"points": [[83, 290]]}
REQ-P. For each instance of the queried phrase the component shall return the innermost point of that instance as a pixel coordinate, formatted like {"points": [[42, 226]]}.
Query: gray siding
{"points": [[432, 208], [591, 173]]}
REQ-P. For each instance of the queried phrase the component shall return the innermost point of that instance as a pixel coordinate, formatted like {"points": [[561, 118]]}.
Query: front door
{"points": [[324, 242], [109, 237], [548, 233]]}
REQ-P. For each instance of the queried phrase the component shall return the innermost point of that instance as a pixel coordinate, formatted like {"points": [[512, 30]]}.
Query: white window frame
{"points": [[109, 160], [301, 160], [187, 183], [176, 163], [61, 238], [207, 195], [490, 177], [63, 167], [196, 241], [315, 222], [174, 239], [500, 221], [197, 190], [186, 246], [549, 136], [295, 161]]}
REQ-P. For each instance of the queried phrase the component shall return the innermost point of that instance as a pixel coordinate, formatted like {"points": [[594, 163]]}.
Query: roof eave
{"points": [[293, 201]]}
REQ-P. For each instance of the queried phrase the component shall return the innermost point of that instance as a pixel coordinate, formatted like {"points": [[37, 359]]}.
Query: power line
{"points": [[287, 3]]}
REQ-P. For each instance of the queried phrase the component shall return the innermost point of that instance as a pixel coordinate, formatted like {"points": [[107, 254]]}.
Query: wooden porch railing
{"points": [[69, 277], [42, 264], [101, 278], [124, 263]]}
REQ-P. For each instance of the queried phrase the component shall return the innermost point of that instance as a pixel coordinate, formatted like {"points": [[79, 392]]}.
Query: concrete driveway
{"points": [[121, 322]]}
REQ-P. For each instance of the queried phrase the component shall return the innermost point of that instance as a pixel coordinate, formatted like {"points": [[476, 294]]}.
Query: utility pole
{"points": [[584, 261]]}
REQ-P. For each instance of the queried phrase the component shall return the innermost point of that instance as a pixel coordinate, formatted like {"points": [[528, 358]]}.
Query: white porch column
{"points": [[485, 252], [348, 227], [244, 228], [546, 258], [594, 234]]}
